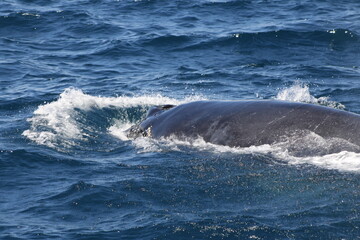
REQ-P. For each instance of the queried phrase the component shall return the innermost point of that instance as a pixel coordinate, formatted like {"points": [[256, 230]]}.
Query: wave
{"points": [[275, 39], [166, 40], [59, 24], [76, 116], [22, 159]]}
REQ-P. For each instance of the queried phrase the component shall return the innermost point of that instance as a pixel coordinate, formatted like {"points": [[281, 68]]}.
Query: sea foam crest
{"points": [[299, 92], [58, 121], [346, 161], [342, 161]]}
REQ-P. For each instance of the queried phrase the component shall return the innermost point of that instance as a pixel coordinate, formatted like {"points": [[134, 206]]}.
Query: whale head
{"points": [[138, 130]]}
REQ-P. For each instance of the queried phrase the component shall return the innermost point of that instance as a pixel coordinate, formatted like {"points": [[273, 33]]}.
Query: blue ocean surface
{"points": [[75, 74]]}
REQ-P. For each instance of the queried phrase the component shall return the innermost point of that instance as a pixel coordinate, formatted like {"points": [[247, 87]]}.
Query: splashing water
{"points": [[283, 152], [60, 121], [301, 93]]}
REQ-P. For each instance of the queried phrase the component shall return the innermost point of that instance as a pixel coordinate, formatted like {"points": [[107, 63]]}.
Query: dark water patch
{"points": [[345, 96], [336, 36], [10, 53], [317, 74], [19, 20], [22, 100], [201, 84], [37, 2], [69, 23], [167, 41], [19, 103], [95, 30], [190, 19], [119, 49], [64, 48], [73, 190], [279, 39], [22, 158], [224, 5], [262, 63]]}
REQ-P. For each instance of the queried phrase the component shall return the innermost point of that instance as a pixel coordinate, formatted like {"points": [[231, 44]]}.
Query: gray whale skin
{"points": [[247, 123]]}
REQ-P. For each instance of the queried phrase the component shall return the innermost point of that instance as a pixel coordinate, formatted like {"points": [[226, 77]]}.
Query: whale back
{"points": [[246, 123]]}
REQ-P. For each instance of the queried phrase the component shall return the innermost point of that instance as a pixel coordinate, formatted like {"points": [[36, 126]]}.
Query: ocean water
{"points": [[74, 74]]}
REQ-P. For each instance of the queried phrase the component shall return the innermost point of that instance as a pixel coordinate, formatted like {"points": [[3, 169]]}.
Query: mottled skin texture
{"points": [[246, 123]]}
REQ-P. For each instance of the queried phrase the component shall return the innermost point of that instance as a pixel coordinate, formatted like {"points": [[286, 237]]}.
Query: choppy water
{"points": [[75, 74]]}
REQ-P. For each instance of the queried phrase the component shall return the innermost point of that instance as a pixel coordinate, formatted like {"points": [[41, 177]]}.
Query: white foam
{"points": [[320, 154], [342, 161], [119, 130], [174, 144], [57, 121], [299, 92]]}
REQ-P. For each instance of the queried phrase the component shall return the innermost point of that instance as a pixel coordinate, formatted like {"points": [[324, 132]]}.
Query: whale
{"points": [[246, 123]]}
